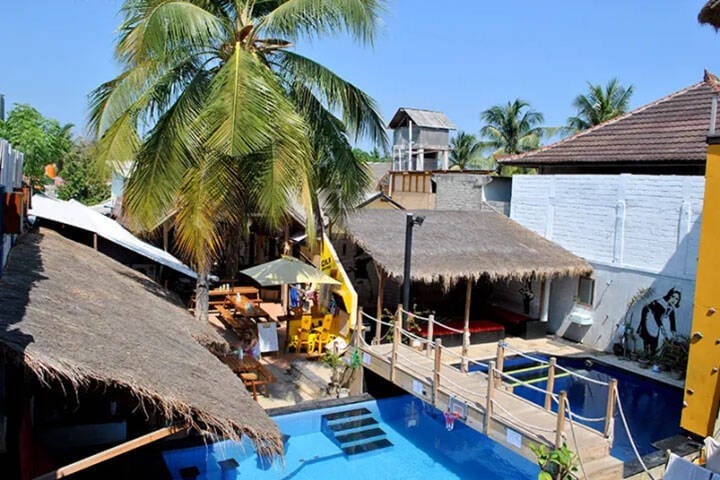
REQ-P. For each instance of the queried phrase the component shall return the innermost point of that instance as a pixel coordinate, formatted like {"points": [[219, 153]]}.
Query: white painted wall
{"points": [[11, 167], [638, 231]]}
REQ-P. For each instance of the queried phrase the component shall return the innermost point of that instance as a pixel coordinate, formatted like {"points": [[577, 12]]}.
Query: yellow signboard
{"points": [[330, 265]]}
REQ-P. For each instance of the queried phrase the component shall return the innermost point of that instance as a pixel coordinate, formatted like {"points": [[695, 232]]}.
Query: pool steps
{"points": [[355, 431]]}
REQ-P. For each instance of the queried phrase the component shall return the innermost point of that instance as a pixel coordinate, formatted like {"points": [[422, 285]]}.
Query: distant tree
{"points": [[42, 140], [372, 156], [511, 129], [465, 150], [599, 105], [82, 181]]}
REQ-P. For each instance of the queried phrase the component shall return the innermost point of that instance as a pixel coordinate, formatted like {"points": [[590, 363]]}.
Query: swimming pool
{"points": [[652, 409], [421, 448]]}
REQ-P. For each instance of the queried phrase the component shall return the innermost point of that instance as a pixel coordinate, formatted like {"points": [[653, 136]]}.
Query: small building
{"points": [[626, 195], [94, 354], [421, 140], [463, 263]]}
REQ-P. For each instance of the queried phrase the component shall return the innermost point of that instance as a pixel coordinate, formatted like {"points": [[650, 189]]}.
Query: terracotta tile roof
{"points": [[670, 130]]}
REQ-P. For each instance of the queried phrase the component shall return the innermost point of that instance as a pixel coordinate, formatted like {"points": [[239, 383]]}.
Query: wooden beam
{"points": [[466, 329], [378, 315], [111, 452], [95, 241]]}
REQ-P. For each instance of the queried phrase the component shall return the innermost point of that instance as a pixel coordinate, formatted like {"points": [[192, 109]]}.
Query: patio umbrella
{"points": [[287, 270]]}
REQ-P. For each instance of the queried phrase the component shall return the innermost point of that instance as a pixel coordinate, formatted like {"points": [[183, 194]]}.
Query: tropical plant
{"points": [[371, 156], [81, 180], [599, 104], [465, 150], [512, 128], [223, 120], [42, 140], [556, 464], [341, 378]]}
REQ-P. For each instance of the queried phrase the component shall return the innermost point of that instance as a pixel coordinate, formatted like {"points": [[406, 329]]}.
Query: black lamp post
{"points": [[410, 221]]}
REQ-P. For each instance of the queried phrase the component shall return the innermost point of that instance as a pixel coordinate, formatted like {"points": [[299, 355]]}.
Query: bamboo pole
{"points": [[610, 412], [430, 333], [550, 383], [500, 360], [95, 241], [560, 427], [397, 332], [436, 372], [466, 328], [359, 328], [111, 452], [488, 397], [381, 289]]}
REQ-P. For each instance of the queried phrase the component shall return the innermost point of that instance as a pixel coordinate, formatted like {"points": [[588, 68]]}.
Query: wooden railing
{"points": [[494, 374]]}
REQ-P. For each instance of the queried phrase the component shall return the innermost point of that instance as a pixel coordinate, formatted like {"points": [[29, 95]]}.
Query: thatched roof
{"points": [[74, 315], [454, 245], [710, 13]]}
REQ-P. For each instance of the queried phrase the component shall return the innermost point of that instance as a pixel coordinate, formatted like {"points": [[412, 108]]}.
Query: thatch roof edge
{"points": [[268, 445]]}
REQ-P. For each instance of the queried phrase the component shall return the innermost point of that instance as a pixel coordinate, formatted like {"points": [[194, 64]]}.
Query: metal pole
{"points": [[2, 107], [409, 221]]}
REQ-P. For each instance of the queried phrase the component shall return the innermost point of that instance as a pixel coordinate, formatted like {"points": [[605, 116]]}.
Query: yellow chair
{"points": [[304, 336], [323, 333]]}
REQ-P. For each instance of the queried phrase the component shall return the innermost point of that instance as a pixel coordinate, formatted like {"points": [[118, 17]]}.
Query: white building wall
{"points": [[638, 231], [11, 167]]}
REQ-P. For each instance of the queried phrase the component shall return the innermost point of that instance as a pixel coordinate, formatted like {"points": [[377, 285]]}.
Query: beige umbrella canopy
{"points": [[287, 270]]}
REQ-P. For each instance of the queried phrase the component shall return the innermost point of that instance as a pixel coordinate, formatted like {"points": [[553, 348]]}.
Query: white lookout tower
{"points": [[421, 140]]}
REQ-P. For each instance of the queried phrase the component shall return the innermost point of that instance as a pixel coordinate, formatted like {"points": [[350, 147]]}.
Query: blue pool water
{"points": [[422, 449], [652, 409]]}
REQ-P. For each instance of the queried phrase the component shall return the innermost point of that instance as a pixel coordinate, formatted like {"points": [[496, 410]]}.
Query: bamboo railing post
{"points": [[397, 332], [550, 383], [464, 353], [378, 329], [610, 412], [560, 427], [489, 395], [436, 372], [430, 333], [500, 361], [359, 329]]}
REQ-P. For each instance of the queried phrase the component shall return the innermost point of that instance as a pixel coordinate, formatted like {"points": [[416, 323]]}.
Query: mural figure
{"points": [[657, 321]]}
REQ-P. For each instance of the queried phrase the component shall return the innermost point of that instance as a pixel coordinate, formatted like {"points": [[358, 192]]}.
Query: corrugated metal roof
{"points": [[422, 118]]}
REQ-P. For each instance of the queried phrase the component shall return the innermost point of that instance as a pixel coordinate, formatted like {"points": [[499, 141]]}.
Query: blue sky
{"points": [[459, 59]]}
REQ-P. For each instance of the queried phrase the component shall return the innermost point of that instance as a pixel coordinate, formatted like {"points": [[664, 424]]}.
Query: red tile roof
{"points": [[670, 130]]}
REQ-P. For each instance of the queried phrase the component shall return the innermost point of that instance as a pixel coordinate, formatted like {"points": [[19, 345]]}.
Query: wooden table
{"points": [[239, 303]]}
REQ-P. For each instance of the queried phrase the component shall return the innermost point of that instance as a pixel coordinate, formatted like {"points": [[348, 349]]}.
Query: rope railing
{"points": [[495, 377], [559, 367]]}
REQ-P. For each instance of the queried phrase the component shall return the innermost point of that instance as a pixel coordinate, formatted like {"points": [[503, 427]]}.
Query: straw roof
{"points": [[73, 315], [454, 245], [710, 13]]}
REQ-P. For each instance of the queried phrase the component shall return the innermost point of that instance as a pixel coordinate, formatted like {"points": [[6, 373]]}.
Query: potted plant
{"points": [[556, 464], [343, 372]]}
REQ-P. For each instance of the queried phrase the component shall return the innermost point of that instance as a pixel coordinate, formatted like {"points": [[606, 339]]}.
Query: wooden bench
{"points": [[481, 331], [252, 373], [228, 316]]}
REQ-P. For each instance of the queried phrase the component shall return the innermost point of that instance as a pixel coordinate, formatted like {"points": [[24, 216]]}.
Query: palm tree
{"points": [[465, 150], [512, 128], [599, 105], [223, 120]]}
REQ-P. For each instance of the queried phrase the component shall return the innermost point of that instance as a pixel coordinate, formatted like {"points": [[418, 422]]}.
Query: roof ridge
{"points": [[709, 79]]}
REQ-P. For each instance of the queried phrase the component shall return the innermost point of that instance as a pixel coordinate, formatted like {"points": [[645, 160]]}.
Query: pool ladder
{"points": [[355, 431]]}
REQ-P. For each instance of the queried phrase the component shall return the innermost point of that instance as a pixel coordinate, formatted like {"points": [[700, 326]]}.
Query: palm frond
{"points": [[359, 111], [313, 18]]}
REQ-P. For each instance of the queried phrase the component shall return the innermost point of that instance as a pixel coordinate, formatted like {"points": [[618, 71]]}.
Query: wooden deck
{"points": [[513, 421]]}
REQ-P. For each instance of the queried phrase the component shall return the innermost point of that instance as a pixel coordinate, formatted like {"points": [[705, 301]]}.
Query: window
{"points": [[586, 291]]}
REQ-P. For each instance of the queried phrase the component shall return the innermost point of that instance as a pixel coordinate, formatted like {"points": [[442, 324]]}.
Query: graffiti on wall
{"points": [[658, 320]]}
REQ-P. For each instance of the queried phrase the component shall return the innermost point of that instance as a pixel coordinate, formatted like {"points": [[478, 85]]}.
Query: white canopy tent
{"points": [[78, 215]]}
